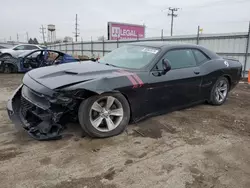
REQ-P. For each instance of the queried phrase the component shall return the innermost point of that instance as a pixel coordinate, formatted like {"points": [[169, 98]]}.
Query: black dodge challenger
{"points": [[130, 83]]}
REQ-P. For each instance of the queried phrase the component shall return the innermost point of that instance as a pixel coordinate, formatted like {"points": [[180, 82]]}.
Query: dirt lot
{"points": [[203, 146]]}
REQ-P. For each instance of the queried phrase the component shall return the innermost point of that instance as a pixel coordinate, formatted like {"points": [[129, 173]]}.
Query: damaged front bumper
{"points": [[33, 112]]}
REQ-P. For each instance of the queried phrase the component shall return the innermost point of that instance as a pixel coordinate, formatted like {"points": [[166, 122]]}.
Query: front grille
{"points": [[35, 98], [25, 106]]}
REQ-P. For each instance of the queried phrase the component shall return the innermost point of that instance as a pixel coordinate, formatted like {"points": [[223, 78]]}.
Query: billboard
{"points": [[121, 31]]}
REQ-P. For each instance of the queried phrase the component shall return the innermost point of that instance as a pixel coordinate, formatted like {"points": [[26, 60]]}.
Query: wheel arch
{"points": [[92, 93], [5, 54], [228, 77]]}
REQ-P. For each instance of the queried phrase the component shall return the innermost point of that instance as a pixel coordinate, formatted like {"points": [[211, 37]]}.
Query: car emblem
{"points": [[226, 63]]}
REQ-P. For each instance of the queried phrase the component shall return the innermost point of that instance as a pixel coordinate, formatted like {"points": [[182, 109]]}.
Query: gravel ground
{"points": [[204, 146]]}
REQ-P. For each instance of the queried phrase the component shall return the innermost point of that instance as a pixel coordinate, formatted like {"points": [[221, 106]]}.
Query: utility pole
{"points": [[27, 35], [76, 29], [43, 30], [17, 37], [172, 14], [198, 35]]}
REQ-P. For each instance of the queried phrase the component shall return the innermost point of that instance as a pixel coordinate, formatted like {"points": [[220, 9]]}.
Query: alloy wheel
{"points": [[106, 114], [221, 91]]}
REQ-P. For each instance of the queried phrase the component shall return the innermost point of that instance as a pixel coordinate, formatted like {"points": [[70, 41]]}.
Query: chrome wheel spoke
{"points": [[97, 107], [221, 95], [110, 101], [97, 121], [110, 123], [223, 88], [221, 83], [218, 97], [117, 112]]}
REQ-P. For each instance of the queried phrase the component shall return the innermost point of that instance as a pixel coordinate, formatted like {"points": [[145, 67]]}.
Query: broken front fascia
{"points": [[39, 115]]}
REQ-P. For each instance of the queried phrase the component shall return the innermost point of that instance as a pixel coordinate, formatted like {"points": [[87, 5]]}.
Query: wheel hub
{"points": [[106, 114]]}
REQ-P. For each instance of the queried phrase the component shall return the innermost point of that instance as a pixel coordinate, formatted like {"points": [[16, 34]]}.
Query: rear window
{"points": [[200, 57]]}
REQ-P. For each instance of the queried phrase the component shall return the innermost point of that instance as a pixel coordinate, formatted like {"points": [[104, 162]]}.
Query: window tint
{"points": [[178, 59], [21, 47], [30, 47], [201, 58]]}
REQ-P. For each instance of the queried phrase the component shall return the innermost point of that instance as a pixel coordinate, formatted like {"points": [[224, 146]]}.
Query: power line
{"points": [[172, 14], [43, 30], [76, 29]]}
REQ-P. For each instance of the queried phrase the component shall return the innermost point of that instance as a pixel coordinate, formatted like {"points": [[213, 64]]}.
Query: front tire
{"points": [[219, 91], [104, 115]]}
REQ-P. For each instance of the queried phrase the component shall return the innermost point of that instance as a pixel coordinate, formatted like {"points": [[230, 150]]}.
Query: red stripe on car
{"points": [[136, 77], [132, 80]]}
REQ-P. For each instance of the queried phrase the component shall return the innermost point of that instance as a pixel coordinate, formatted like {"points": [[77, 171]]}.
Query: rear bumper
{"points": [[38, 126]]}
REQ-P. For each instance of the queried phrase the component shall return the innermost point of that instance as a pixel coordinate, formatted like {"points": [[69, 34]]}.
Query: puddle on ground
{"points": [[8, 153], [152, 129], [93, 182]]}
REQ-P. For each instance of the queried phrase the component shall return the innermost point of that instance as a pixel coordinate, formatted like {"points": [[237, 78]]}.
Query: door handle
{"points": [[196, 72]]}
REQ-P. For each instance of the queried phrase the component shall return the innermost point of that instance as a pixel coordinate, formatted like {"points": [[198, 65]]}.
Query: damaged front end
{"points": [[43, 117]]}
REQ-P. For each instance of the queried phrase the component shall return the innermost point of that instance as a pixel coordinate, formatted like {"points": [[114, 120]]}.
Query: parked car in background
{"points": [[128, 84], [19, 49], [34, 59], [2, 47]]}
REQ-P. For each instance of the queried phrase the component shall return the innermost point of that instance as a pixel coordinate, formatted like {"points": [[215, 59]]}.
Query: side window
{"points": [[200, 57], [21, 47], [30, 47], [182, 58]]}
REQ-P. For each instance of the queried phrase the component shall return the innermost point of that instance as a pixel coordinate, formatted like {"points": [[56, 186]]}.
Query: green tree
{"points": [[35, 41], [31, 41]]}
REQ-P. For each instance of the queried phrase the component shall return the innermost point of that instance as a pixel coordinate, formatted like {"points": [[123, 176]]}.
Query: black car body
{"points": [[174, 77]]}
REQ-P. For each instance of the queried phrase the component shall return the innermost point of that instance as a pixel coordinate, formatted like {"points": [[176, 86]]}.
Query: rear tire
{"points": [[104, 115], [219, 91], [9, 69]]}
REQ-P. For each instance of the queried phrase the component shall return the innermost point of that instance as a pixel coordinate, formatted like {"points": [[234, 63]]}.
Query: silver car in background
{"points": [[19, 49]]}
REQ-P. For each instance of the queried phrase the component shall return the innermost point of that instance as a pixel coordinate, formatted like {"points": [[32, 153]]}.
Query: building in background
{"points": [[68, 39]]}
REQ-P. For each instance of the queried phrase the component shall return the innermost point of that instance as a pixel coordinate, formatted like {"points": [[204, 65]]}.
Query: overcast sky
{"points": [[214, 16]]}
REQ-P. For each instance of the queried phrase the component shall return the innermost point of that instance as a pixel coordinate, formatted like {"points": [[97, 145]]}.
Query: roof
{"points": [[162, 44]]}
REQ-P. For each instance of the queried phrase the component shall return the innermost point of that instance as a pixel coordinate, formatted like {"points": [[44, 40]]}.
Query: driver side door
{"points": [[178, 87]]}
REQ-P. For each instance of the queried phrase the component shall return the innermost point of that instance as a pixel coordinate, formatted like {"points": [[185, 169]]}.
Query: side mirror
{"points": [[166, 66]]}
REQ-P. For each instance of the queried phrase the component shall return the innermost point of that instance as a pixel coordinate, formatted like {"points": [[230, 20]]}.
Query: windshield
{"points": [[130, 56]]}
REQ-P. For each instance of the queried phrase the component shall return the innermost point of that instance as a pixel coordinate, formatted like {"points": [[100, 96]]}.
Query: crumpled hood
{"points": [[56, 76]]}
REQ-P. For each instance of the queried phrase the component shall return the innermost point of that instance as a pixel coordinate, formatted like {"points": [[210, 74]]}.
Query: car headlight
{"points": [[60, 98]]}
